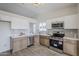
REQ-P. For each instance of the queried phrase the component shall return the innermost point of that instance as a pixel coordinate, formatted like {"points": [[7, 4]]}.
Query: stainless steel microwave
{"points": [[58, 25]]}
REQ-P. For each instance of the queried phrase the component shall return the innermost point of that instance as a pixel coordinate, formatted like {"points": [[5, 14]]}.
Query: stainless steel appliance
{"points": [[30, 41], [56, 41], [58, 25]]}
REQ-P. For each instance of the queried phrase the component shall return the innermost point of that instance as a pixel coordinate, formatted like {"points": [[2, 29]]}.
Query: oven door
{"points": [[56, 44]]}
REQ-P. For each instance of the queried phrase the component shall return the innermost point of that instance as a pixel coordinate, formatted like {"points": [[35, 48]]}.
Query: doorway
{"points": [[4, 36]]}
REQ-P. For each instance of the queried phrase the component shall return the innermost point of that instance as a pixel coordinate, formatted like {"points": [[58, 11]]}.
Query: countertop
{"points": [[44, 35], [18, 36], [69, 38]]}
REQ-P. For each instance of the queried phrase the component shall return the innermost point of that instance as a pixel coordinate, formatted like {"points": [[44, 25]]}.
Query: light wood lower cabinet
{"points": [[44, 40], [71, 47], [24, 43], [18, 44]]}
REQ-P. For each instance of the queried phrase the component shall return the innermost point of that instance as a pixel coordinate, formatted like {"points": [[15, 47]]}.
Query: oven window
{"points": [[56, 44]]}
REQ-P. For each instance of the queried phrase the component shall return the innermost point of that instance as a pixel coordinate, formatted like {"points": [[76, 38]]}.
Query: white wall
{"points": [[16, 20]]}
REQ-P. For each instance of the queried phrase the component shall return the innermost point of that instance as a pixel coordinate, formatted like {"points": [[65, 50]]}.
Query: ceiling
{"points": [[33, 10]]}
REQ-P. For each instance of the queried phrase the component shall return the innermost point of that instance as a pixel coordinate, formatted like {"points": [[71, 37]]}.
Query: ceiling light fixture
{"points": [[36, 4]]}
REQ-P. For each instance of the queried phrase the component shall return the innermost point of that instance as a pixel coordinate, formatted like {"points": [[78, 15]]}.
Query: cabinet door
{"points": [[16, 45], [46, 42], [69, 48], [23, 43], [41, 41], [70, 22], [19, 44]]}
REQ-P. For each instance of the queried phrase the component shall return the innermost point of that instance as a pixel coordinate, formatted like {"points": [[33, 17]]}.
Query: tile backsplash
{"points": [[73, 33]]}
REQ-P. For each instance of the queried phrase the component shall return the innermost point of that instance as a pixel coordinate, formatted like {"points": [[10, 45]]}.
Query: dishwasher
{"points": [[30, 41]]}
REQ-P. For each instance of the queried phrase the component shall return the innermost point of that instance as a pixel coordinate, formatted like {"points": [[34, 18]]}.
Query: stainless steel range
{"points": [[56, 41]]}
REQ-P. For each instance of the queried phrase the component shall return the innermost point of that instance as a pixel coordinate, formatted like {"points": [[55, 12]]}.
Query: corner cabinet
{"points": [[44, 40], [70, 22]]}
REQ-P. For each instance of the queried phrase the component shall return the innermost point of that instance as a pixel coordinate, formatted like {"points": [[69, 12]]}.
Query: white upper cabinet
{"points": [[70, 22]]}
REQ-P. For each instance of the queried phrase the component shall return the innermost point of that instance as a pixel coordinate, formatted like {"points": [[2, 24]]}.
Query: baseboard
{"points": [[7, 51], [30, 45]]}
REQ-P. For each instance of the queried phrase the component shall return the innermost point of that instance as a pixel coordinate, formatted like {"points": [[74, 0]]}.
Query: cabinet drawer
{"points": [[44, 40], [70, 41]]}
